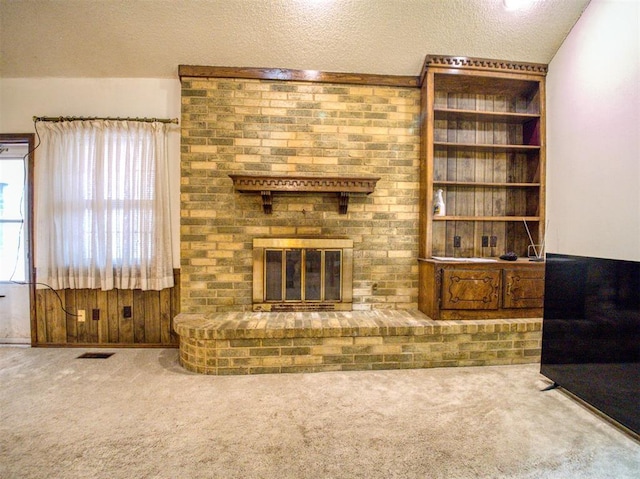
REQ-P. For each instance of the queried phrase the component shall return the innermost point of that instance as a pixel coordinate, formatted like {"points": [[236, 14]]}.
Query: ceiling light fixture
{"points": [[513, 5]]}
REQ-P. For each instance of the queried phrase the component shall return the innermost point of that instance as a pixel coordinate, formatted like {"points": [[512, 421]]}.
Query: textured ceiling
{"points": [[150, 38]]}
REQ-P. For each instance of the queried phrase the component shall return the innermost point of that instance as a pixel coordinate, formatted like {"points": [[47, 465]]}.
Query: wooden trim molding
{"points": [[29, 139], [482, 64], [268, 184], [284, 74]]}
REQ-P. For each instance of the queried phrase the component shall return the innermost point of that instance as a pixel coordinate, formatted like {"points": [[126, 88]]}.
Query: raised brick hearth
{"points": [[254, 343]]}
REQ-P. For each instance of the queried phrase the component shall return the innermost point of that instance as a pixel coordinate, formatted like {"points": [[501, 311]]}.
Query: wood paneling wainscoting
{"points": [[150, 324]]}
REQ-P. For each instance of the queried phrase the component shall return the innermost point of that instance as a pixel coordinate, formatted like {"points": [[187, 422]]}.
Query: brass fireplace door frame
{"points": [[261, 245]]}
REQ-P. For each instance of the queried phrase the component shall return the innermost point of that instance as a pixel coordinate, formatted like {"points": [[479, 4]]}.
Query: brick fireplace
{"points": [[245, 250], [235, 126]]}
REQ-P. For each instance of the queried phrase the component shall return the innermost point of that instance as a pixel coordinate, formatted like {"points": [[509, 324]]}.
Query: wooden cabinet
{"points": [[523, 287], [464, 288], [480, 290], [483, 145]]}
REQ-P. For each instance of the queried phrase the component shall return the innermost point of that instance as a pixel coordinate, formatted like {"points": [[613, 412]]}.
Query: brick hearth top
{"points": [[323, 324]]}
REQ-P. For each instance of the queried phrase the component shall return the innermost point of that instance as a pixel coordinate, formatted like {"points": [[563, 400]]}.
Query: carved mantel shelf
{"points": [[268, 184]]}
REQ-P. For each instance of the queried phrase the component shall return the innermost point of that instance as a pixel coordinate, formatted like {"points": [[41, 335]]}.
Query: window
{"points": [[102, 206], [13, 232], [115, 202]]}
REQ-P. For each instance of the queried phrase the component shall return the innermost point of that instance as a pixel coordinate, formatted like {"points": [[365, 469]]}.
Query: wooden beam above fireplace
{"points": [[344, 186]]}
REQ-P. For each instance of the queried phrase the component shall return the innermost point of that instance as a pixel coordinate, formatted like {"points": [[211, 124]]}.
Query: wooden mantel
{"points": [[268, 184]]}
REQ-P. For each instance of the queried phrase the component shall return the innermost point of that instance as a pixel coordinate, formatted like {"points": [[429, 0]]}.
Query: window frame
{"points": [[29, 139]]}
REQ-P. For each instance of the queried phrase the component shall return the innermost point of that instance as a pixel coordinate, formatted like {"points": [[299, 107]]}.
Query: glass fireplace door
{"points": [[300, 275]]}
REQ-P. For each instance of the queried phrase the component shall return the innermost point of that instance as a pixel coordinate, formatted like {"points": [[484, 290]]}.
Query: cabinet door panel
{"points": [[470, 289], [523, 288]]}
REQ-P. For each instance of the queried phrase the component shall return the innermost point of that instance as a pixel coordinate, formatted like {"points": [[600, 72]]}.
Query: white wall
{"points": [[23, 98], [593, 135]]}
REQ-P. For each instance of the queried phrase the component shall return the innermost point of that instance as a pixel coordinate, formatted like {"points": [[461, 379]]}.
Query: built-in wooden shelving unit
{"points": [[483, 144]]}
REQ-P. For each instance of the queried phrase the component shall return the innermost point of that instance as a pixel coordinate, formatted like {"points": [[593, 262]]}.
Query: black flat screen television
{"points": [[591, 333]]}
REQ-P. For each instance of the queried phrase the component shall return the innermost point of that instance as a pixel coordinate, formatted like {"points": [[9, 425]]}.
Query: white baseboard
{"points": [[16, 341]]}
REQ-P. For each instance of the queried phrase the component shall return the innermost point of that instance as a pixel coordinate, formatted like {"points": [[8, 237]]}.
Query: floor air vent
{"points": [[95, 355]]}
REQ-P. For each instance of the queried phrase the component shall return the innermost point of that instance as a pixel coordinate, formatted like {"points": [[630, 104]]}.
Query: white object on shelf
{"points": [[439, 208]]}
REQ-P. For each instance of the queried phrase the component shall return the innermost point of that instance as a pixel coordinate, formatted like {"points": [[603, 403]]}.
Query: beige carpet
{"points": [[138, 414]]}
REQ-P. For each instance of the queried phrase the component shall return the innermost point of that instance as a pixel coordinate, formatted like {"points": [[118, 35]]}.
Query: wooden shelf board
{"points": [[487, 116], [485, 147], [479, 84], [486, 218], [474, 184], [265, 185]]}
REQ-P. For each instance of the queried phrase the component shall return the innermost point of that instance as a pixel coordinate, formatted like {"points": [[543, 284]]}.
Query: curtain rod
{"points": [[81, 118]]}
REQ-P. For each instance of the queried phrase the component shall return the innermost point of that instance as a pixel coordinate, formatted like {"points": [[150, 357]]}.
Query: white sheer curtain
{"points": [[102, 205]]}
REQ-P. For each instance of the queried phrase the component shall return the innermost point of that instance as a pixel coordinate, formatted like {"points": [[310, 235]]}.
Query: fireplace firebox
{"points": [[302, 274]]}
